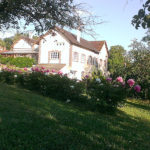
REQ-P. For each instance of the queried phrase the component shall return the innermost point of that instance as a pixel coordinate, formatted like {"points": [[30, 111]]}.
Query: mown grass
{"points": [[32, 122]]}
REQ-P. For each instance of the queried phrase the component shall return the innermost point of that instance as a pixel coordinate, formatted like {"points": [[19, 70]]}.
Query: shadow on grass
{"points": [[141, 106], [29, 121]]}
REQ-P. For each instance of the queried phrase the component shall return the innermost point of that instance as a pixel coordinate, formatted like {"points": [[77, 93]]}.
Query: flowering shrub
{"points": [[107, 94], [131, 82], [104, 94], [46, 82]]}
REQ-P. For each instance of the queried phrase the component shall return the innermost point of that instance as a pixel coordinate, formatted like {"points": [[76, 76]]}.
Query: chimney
{"points": [[30, 35], [78, 35]]}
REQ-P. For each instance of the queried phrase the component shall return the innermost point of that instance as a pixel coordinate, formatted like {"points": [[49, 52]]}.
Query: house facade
{"points": [[64, 51], [23, 47]]}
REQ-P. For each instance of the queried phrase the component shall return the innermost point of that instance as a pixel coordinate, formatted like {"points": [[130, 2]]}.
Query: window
{"points": [[75, 56], [83, 58], [90, 60], [101, 62], [95, 62], [54, 55], [105, 63]]}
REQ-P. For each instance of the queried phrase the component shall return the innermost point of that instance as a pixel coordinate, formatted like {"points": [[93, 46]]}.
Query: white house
{"points": [[24, 46], [62, 50]]}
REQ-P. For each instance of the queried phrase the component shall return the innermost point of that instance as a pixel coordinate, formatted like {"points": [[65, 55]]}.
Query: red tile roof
{"points": [[30, 41], [3, 51], [57, 67], [94, 46]]}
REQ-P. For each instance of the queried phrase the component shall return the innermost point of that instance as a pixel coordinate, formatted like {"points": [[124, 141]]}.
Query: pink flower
{"points": [[19, 71], [87, 76], [37, 69], [25, 69], [137, 88], [42, 68], [60, 72], [47, 71], [119, 79], [131, 82], [109, 79], [53, 70]]}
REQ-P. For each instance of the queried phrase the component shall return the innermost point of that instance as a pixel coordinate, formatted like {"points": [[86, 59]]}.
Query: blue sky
{"points": [[118, 15]]}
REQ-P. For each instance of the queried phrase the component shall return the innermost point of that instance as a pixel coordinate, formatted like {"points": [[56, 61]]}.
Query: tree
{"points": [[139, 68], [143, 16], [8, 43], [116, 61], [2, 43], [44, 14]]}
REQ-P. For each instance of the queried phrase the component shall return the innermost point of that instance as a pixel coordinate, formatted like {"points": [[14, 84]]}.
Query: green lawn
{"points": [[32, 122]]}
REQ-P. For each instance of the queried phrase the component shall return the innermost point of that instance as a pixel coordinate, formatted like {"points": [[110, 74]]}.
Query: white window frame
{"points": [[75, 56]]}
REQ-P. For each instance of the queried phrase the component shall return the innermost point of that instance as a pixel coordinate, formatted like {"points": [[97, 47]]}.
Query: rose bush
{"points": [[103, 94]]}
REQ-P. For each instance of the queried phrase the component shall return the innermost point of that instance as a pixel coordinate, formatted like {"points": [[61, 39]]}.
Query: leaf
{"points": [[144, 25]]}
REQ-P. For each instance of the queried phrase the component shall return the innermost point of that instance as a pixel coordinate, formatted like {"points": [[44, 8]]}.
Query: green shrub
{"points": [[22, 62], [8, 77], [18, 61], [6, 60], [56, 86], [105, 95]]}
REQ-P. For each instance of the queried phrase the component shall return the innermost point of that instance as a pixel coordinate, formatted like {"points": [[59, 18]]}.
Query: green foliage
{"points": [[2, 43], [5, 60], [102, 94], [8, 43], [139, 67], [8, 77], [142, 19], [20, 62], [106, 96], [116, 61], [43, 15], [67, 89]]}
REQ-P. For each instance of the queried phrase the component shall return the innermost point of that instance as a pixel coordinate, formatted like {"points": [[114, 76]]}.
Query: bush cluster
{"points": [[103, 94], [55, 85], [18, 61], [107, 94]]}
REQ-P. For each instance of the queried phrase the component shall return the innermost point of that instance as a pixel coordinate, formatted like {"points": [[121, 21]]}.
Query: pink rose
{"points": [[119, 79], [47, 70], [137, 88], [60, 72], [131, 82], [37, 69], [42, 68], [53, 70], [25, 69]]}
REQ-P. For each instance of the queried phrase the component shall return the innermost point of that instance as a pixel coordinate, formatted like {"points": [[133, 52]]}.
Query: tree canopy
{"points": [[142, 19], [43, 14], [116, 59]]}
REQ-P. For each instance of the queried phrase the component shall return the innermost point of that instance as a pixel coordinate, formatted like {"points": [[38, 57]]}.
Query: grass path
{"points": [[32, 122]]}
